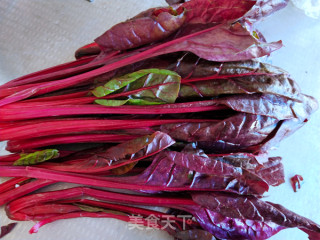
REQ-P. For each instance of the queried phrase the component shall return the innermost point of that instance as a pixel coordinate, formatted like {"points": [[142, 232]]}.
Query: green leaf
{"points": [[115, 103], [167, 85], [163, 86], [110, 103], [36, 157], [142, 102]]}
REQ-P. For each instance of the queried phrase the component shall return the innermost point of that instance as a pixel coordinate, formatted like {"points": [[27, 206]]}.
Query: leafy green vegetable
{"points": [[36, 157], [107, 102], [142, 102], [145, 74], [161, 87]]}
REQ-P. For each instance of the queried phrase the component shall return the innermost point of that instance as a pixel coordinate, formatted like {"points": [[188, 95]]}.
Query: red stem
{"points": [[76, 192], [40, 103], [76, 126], [10, 157], [121, 61], [11, 113], [84, 179], [36, 227], [58, 97], [27, 78], [23, 190], [11, 184], [41, 212], [34, 143]]}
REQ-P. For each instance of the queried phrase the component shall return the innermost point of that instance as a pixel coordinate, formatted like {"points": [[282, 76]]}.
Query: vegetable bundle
{"points": [[178, 109]]}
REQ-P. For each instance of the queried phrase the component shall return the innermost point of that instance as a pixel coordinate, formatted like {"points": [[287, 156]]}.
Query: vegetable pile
{"points": [[180, 111]]}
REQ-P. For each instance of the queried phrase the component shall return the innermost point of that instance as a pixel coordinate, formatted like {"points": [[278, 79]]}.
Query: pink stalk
{"points": [[4, 92], [10, 157], [127, 209], [11, 124], [36, 227], [34, 143], [18, 216], [121, 61], [69, 99], [84, 179], [11, 113], [58, 97], [67, 207], [48, 77], [23, 190], [39, 103], [76, 126], [5, 163], [41, 212], [26, 78], [50, 208], [76, 192], [11, 184]]}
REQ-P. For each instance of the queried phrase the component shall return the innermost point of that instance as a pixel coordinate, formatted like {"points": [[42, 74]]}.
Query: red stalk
{"points": [[4, 92], [10, 157], [36, 227], [127, 209], [39, 103], [23, 190], [76, 192], [69, 99], [11, 124], [47, 78], [5, 163], [84, 179], [121, 61], [11, 184], [49, 208], [58, 97], [75, 126], [26, 78], [11, 113], [41, 212], [34, 143], [67, 207]]}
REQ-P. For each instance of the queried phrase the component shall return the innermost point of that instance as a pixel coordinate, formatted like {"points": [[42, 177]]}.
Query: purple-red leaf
{"points": [[271, 170], [186, 171], [209, 166], [7, 229], [271, 105], [217, 11], [145, 28], [222, 43], [194, 234], [251, 208], [233, 228], [219, 43], [119, 155], [232, 134]]}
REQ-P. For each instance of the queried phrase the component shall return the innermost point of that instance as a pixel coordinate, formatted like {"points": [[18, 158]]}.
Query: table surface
{"points": [[36, 34]]}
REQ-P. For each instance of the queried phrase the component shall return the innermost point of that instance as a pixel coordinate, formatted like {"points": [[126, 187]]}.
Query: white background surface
{"points": [[36, 34]]}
